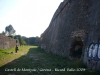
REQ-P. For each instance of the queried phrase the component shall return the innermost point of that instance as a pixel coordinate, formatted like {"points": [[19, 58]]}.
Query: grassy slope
{"points": [[32, 57]]}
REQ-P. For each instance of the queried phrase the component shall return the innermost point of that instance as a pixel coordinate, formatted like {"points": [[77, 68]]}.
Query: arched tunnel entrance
{"points": [[76, 48]]}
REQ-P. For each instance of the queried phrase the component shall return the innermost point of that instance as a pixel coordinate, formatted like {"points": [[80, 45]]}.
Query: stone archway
{"points": [[76, 47]]}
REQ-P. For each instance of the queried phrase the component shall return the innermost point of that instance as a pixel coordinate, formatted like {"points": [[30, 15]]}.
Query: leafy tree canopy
{"points": [[20, 39], [31, 40], [9, 30]]}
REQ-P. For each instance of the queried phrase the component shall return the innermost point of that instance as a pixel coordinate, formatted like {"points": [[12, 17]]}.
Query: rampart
{"points": [[6, 42], [74, 31]]}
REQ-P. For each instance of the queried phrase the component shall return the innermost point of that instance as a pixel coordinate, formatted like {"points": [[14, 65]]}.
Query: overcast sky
{"points": [[28, 17]]}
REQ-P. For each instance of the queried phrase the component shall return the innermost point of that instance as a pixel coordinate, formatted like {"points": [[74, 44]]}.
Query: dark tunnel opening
{"points": [[76, 48]]}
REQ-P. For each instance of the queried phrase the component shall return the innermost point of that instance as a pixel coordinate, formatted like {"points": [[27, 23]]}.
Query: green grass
{"points": [[32, 57]]}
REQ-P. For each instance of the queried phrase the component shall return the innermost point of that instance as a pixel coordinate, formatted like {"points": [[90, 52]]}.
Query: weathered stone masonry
{"points": [[75, 26], [6, 42]]}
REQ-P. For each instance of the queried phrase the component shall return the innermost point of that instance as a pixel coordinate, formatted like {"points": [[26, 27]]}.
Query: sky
{"points": [[29, 18]]}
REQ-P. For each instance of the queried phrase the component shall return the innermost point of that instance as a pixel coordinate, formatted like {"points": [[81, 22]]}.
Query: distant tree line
{"points": [[22, 40], [31, 40], [25, 40]]}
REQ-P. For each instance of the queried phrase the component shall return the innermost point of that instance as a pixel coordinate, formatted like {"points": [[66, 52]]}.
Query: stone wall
{"points": [[6, 42], [72, 20]]}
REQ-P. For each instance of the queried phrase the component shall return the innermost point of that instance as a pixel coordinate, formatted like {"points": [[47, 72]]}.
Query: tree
{"points": [[24, 43], [21, 41], [31, 40], [3, 32], [10, 30]]}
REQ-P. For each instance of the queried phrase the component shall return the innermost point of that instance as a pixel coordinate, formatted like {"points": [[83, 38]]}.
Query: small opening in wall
{"points": [[76, 48]]}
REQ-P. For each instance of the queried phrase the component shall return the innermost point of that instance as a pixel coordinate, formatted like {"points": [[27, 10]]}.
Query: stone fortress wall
{"points": [[75, 25], [6, 42]]}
